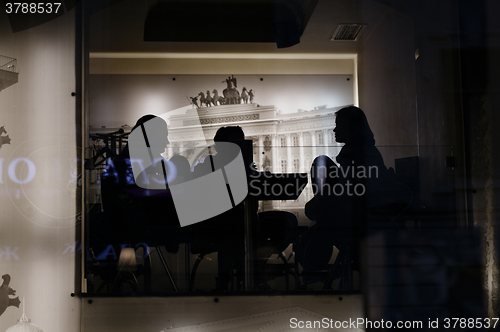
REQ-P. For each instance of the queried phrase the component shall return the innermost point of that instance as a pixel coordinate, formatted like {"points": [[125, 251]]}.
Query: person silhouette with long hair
{"points": [[361, 179], [358, 183]]}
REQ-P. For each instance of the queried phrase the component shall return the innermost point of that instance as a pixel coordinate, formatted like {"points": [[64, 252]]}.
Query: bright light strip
{"points": [[141, 55]]}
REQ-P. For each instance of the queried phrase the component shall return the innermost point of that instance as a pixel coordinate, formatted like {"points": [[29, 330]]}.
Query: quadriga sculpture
{"points": [[231, 94]]}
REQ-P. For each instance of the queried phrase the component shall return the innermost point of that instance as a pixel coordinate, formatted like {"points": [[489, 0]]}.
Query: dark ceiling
{"points": [[279, 21], [230, 26]]}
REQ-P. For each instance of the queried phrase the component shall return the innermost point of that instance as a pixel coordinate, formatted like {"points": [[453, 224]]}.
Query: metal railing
{"points": [[8, 64]]}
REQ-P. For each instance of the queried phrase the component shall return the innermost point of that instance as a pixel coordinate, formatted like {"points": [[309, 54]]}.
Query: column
{"points": [[302, 154], [289, 160], [260, 151], [274, 149], [313, 144], [326, 141], [179, 148]]}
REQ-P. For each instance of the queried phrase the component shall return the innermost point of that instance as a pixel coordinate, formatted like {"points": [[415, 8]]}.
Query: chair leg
{"points": [[346, 279], [350, 281], [101, 286], [295, 272], [131, 280], [147, 269], [193, 271], [287, 270], [165, 266], [300, 285], [333, 270]]}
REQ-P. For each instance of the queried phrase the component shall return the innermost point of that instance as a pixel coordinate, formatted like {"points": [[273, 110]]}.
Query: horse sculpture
{"points": [[231, 94], [209, 100], [217, 99], [244, 95], [203, 100]]}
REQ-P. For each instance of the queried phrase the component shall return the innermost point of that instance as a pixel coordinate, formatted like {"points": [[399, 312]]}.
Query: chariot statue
{"points": [[231, 94]]}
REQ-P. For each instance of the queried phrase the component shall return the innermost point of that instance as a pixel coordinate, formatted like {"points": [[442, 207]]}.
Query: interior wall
{"points": [[386, 73], [214, 64], [439, 107], [38, 179], [407, 84], [419, 77]]}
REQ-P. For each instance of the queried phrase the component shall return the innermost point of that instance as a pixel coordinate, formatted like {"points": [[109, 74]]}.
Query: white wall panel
{"points": [[38, 196]]}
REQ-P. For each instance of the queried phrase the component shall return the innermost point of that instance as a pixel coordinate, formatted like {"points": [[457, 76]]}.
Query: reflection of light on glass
{"points": [[44, 189], [127, 260], [27, 174], [179, 111], [153, 104]]}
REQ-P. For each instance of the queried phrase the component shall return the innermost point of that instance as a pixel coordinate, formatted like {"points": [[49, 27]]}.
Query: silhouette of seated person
{"points": [[362, 181], [223, 233], [358, 184], [182, 169], [138, 213]]}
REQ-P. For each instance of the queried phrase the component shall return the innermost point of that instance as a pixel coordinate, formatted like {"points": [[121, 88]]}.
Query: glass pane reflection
{"points": [[286, 251]]}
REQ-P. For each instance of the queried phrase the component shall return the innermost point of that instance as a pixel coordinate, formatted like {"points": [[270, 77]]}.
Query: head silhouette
{"points": [[182, 168], [229, 133], [155, 132], [351, 127]]}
